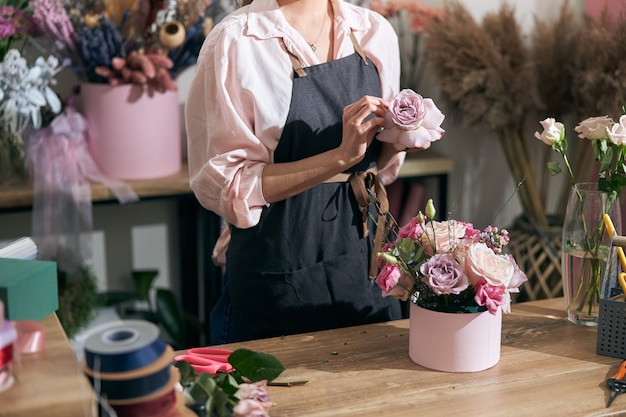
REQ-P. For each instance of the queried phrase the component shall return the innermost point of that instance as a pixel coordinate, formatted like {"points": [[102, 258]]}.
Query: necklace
{"points": [[314, 44]]}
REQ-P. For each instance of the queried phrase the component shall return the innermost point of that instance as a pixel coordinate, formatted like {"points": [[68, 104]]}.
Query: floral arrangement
{"points": [[608, 141], [409, 18], [25, 88], [449, 266], [242, 392], [121, 42], [412, 121]]}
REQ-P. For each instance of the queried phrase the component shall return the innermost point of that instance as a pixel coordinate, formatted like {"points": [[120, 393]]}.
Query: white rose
{"points": [[441, 235], [617, 133], [552, 131]]}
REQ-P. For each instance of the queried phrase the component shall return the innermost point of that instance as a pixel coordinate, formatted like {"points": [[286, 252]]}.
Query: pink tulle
{"points": [[62, 168]]}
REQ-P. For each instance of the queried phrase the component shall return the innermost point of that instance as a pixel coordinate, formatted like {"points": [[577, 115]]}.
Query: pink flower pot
{"points": [[134, 131], [454, 342]]}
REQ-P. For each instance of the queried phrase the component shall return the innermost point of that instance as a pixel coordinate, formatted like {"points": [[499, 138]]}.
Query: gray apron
{"points": [[304, 266]]}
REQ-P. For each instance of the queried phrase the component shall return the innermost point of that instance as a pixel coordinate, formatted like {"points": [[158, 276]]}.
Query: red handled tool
{"points": [[616, 383]]}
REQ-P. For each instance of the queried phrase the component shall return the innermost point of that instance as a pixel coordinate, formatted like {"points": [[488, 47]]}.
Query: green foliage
{"points": [[216, 393], [77, 300]]}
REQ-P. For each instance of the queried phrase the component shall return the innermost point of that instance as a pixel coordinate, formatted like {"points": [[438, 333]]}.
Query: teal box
{"points": [[28, 288]]}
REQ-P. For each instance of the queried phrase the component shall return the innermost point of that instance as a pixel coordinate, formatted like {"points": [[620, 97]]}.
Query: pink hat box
{"points": [[134, 130]]}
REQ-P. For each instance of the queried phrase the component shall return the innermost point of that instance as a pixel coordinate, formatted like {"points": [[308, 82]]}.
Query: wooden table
{"points": [[548, 367], [49, 383]]}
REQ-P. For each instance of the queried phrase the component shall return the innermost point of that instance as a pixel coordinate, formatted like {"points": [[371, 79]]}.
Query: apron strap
{"points": [[359, 183], [297, 67]]}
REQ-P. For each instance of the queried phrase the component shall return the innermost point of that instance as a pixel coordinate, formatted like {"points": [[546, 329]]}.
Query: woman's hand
{"points": [[361, 120]]}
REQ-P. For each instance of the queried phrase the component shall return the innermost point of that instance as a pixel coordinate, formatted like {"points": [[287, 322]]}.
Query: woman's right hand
{"points": [[361, 120]]}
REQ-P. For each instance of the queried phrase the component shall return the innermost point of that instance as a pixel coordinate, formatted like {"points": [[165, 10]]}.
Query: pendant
{"points": [[313, 47]]}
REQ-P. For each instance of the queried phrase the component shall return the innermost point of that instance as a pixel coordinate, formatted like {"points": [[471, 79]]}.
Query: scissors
{"points": [[616, 383], [207, 360]]}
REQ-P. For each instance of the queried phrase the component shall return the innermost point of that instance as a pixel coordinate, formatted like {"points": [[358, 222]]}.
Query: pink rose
{"points": [[249, 408], [553, 131], [412, 230], [388, 276], [403, 289], [482, 263], [594, 128], [491, 296], [441, 236], [412, 121], [444, 275]]}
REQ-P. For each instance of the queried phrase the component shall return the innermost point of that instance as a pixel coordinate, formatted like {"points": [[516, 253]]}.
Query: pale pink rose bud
{"points": [[553, 131]]}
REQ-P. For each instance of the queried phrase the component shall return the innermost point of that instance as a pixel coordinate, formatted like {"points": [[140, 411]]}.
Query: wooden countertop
{"points": [[548, 367], [49, 383]]}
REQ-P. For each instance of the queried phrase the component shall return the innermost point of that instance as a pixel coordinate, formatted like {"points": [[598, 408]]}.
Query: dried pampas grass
{"points": [[599, 71], [484, 71]]}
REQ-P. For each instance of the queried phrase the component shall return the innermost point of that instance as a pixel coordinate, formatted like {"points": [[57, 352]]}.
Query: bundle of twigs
{"points": [[487, 78]]}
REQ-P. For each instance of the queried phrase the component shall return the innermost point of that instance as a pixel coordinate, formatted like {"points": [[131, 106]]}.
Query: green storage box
{"points": [[28, 288]]}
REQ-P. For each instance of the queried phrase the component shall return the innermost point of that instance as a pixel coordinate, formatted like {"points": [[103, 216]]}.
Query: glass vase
{"points": [[585, 251]]}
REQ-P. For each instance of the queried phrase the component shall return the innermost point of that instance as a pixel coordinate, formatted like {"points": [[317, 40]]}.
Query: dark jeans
{"points": [[221, 327]]}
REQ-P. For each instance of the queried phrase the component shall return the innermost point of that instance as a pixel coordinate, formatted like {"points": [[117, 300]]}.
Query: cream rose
{"points": [[482, 262], [441, 236], [617, 133], [594, 128]]}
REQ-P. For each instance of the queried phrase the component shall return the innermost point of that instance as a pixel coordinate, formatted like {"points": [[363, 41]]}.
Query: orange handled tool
{"points": [[616, 383]]}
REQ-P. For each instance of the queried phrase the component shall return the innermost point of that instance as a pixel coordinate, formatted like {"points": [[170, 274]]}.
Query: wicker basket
{"points": [[538, 254]]}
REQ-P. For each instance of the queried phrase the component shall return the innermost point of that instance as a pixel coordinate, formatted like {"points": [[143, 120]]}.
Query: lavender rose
{"points": [[444, 275], [412, 121]]}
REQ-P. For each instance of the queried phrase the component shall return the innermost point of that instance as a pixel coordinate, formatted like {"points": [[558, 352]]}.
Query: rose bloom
{"points": [[412, 121], [594, 128], [388, 276], [441, 235], [490, 296], [403, 288], [552, 131], [617, 133], [249, 408], [412, 229], [482, 263], [444, 275]]}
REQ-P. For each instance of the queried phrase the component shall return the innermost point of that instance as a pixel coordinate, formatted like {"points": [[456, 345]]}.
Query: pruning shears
{"points": [[616, 383]]}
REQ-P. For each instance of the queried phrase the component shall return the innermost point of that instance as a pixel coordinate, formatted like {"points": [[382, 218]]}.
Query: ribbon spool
{"points": [[126, 361], [8, 335]]}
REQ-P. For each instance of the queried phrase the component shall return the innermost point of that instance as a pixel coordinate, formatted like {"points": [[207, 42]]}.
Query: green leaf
{"points": [[256, 366], [143, 282], [554, 168], [606, 160], [169, 316]]}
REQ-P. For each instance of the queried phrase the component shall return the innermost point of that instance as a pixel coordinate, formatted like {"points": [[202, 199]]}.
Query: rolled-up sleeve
{"points": [[227, 147]]}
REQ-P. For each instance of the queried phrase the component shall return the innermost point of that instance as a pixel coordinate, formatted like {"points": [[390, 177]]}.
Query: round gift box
{"points": [[454, 342]]}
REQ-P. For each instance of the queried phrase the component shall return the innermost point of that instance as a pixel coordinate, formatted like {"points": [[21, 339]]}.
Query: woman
{"points": [[284, 105]]}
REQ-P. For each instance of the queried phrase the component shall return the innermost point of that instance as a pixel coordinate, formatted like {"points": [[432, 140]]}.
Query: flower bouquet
{"points": [[459, 281], [585, 247], [449, 266]]}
